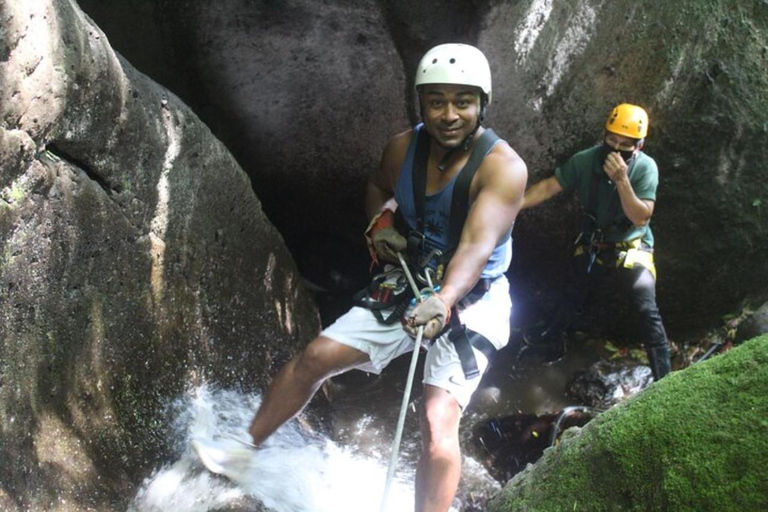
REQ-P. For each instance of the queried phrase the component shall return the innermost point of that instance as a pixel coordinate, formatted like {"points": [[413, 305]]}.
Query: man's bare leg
{"points": [[297, 382], [439, 469]]}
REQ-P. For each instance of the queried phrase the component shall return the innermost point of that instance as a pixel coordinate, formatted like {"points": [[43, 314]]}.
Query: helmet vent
{"points": [[452, 61]]}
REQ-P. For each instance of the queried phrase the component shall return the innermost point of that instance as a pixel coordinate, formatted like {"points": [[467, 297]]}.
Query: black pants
{"points": [[638, 283]]}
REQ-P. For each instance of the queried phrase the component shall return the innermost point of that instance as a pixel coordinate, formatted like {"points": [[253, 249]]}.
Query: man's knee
{"points": [[324, 357], [440, 418]]}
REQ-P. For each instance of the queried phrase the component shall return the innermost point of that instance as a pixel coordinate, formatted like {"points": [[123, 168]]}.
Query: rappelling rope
{"points": [[408, 385]]}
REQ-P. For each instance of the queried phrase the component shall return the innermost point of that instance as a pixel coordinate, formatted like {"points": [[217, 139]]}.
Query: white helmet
{"points": [[455, 64]]}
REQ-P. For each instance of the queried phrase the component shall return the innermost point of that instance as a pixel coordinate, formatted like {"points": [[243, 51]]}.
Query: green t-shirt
{"points": [[576, 174]]}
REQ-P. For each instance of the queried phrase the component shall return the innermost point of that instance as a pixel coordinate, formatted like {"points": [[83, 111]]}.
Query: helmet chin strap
{"points": [[464, 146]]}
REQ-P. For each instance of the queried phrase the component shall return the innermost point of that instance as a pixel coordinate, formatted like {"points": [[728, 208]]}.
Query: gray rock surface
{"points": [[306, 93], [136, 262], [755, 325], [699, 70]]}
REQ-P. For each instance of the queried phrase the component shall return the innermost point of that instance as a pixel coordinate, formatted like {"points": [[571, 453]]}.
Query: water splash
{"points": [[292, 472]]}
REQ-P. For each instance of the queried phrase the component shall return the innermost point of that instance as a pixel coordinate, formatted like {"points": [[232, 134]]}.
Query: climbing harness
{"points": [[462, 338], [387, 294], [624, 254]]}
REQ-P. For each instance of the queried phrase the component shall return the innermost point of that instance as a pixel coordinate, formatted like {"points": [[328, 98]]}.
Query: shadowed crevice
{"points": [[58, 152]]}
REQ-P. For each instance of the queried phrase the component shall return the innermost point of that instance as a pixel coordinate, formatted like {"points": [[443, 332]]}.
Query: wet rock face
{"points": [[136, 261], [510, 443], [306, 94], [560, 66], [755, 325], [606, 383]]}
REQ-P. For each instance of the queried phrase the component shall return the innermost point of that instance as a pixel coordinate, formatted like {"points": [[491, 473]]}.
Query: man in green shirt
{"points": [[616, 185]]}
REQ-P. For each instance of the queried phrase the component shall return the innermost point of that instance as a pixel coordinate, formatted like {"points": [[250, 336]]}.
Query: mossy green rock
{"points": [[697, 440]]}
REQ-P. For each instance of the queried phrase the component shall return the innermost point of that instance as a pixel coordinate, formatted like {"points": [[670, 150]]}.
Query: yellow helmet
{"points": [[628, 120]]}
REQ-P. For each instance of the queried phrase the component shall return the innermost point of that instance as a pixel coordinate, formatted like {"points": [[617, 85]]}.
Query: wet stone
{"points": [[512, 442], [608, 382], [755, 325]]}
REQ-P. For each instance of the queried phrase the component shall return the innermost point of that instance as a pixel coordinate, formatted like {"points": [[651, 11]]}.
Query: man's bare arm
{"points": [[500, 188], [541, 191], [380, 188], [638, 211]]}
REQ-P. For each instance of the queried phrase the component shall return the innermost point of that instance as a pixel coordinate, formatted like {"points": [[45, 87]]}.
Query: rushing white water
{"points": [[292, 472]]}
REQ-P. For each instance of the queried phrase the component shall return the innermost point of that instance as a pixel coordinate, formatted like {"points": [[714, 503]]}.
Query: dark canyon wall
{"points": [[306, 93], [136, 262]]}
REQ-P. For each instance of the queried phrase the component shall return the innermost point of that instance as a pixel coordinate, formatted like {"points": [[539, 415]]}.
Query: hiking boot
{"points": [[659, 361]]}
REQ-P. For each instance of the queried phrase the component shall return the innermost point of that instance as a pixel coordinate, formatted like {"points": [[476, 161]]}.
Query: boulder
{"points": [[755, 325], [695, 440], [608, 382], [699, 70], [136, 262]]}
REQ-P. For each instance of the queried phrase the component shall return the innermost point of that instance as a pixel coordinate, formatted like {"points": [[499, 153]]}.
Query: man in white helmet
{"points": [[468, 319]]}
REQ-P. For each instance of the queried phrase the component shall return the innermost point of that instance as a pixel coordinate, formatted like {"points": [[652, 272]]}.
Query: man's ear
{"points": [[640, 144]]}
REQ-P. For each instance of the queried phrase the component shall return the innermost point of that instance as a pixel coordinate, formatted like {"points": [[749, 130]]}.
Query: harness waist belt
{"points": [[464, 339], [621, 246]]}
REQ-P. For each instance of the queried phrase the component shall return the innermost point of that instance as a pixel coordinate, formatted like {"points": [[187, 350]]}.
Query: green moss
{"points": [[17, 193], [698, 440]]}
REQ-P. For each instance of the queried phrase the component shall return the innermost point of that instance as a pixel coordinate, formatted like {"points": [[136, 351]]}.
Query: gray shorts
{"points": [[489, 316]]}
